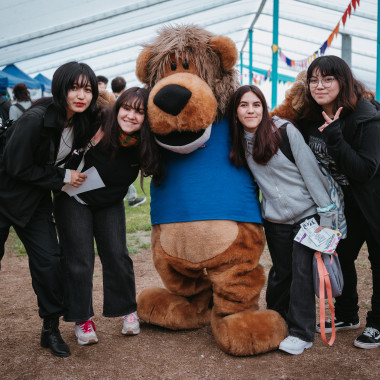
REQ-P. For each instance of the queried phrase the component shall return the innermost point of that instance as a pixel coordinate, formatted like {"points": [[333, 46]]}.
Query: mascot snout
{"points": [[172, 99], [181, 102]]}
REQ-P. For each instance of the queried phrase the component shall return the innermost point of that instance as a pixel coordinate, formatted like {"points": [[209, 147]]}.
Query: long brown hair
{"points": [[134, 97], [351, 90], [267, 138]]}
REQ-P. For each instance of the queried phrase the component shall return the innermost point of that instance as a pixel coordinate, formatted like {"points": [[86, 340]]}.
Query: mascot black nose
{"points": [[172, 99]]}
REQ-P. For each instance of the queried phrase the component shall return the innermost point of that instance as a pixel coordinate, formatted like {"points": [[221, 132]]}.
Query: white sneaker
{"points": [[131, 325], [293, 345], [85, 332]]}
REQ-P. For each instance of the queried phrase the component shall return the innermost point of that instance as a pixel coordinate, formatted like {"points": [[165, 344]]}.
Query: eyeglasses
{"points": [[326, 82]]}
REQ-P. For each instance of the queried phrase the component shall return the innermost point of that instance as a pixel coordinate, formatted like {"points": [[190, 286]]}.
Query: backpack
{"points": [[285, 144], [5, 133], [20, 107], [334, 189]]}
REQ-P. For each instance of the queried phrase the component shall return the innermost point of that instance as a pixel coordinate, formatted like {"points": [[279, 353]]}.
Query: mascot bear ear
{"points": [[227, 51], [142, 64]]}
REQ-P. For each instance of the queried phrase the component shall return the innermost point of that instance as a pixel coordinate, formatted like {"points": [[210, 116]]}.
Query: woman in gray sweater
{"points": [[292, 190]]}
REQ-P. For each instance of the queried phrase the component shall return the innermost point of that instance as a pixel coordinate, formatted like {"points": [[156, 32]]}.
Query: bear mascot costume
{"points": [[207, 236]]}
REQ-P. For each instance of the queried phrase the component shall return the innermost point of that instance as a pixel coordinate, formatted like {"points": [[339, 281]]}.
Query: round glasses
{"points": [[326, 82]]}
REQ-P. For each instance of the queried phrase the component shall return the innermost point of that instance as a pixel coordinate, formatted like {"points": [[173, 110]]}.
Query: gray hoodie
{"points": [[291, 191]]}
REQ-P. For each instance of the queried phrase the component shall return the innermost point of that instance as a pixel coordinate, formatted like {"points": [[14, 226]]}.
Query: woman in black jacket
{"points": [[342, 127], [38, 144], [100, 214]]}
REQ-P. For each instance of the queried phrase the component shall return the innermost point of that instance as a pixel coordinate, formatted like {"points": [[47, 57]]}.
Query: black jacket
{"points": [[354, 143], [117, 173], [5, 105], [27, 171]]}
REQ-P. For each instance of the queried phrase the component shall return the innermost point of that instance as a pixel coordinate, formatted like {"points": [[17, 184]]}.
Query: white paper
{"points": [[92, 182], [309, 226], [326, 243]]}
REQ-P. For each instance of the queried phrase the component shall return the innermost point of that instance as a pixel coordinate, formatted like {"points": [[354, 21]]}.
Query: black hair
{"points": [[351, 90], [118, 84], [102, 78], [63, 80]]}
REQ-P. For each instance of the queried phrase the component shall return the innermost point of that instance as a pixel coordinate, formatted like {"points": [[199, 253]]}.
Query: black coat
{"points": [[354, 143], [27, 171]]}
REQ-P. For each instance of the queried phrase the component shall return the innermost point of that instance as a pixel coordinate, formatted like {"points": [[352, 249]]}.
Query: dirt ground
{"points": [[157, 353]]}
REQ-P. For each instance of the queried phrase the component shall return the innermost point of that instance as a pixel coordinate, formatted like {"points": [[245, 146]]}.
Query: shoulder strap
{"points": [[20, 107], [325, 285], [285, 144]]}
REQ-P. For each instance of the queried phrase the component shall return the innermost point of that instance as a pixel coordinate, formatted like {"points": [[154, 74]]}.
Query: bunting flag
{"points": [[304, 63]]}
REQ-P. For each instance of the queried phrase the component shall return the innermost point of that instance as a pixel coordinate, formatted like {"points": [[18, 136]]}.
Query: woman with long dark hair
{"points": [[100, 214], [41, 141], [342, 127], [291, 193]]}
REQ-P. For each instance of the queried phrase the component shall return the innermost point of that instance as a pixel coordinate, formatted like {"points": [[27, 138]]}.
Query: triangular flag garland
{"points": [[304, 63], [260, 78]]}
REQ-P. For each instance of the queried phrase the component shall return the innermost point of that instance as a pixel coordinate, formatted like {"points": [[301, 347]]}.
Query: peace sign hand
{"points": [[328, 119]]}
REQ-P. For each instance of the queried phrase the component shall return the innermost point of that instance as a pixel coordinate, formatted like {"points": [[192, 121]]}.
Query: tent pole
{"points": [[241, 67], [275, 54], [250, 55], [377, 94]]}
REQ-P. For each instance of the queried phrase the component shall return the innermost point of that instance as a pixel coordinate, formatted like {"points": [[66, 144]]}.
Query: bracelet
{"points": [[326, 209]]}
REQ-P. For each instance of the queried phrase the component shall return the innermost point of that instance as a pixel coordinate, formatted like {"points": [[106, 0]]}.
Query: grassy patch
{"points": [[137, 222], [16, 243], [138, 218]]}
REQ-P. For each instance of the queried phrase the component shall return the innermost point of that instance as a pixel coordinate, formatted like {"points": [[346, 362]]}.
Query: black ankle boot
{"points": [[51, 338]]}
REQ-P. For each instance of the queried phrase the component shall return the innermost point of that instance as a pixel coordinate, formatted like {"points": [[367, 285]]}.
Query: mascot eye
{"points": [[185, 65], [173, 66]]}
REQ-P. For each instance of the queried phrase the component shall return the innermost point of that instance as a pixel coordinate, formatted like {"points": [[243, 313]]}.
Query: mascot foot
{"points": [[160, 307], [249, 332]]}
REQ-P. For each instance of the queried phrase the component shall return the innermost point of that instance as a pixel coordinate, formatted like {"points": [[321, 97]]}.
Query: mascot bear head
{"points": [[191, 75]]}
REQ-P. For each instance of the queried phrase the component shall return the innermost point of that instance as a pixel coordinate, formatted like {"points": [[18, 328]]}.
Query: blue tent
{"points": [[15, 75], [3, 82], [46, 82]]}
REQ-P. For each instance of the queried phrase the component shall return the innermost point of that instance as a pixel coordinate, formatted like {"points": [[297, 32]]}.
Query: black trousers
{"points": [[78, 225], [40, 240], [290, 288], [358, 232]]}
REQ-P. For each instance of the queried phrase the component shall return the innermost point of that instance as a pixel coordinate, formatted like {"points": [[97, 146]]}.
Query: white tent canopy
{"points": [[38, 36]]}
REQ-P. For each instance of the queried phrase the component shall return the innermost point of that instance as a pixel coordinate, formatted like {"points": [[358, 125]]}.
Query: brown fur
{"points": [[105, 98], [188, 243], [293, 105], [198, 114], [191, 43], [206, 266]]}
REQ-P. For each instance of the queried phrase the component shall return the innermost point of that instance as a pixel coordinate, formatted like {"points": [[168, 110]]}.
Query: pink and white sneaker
{"points": [[85, 332], [131, 325]]}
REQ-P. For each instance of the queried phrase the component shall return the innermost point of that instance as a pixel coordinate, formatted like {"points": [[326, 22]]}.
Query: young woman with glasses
{"points": [[342, 127]]}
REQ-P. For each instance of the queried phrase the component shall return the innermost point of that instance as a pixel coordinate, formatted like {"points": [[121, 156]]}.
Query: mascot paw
{"points": [[249, 332], [158, 306]]}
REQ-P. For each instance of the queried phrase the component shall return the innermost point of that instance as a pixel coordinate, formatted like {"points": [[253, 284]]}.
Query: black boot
{"points": [[51, 337]]}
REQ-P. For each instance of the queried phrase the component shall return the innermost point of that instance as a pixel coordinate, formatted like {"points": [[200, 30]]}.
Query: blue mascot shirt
{"points": [[205, 185]]}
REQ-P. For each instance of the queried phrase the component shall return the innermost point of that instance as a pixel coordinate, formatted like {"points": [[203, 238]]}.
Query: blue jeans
{"points": [[290, 289], [77, 226]]}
